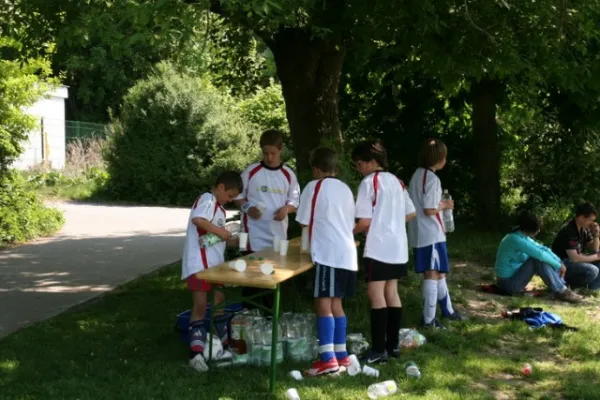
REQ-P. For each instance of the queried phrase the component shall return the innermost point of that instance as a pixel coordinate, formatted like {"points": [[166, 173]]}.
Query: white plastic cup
{"points": [[267, 268], [243, 241], [354, 360], [292, 394], [370, 371], [297, 375], [305, 240], [276, 242], [238, 265], [283, 247], [261, 207], [353, 369]]}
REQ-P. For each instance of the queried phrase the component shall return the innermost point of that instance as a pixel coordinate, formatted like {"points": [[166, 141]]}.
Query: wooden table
{"points": [[286, 267]]}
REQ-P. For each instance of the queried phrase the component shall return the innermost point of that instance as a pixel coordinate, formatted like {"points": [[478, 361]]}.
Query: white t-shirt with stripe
{"points": [[196, 259], [275, 188], [327, 208], [425, 191], [383, 198]]}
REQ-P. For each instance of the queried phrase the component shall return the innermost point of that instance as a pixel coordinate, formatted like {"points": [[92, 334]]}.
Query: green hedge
{"points": [[175, 133], [22, 214]]}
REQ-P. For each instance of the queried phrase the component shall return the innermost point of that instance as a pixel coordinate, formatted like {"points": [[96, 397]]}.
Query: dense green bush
{"points": [[22, 215], [174, 134]]}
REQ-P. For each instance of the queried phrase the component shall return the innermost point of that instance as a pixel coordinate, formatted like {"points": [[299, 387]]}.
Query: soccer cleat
{"points": [[435, 324], [394, 353], [323, 367], [198, 363], [344, 362], [375, 358], [455, 316]]}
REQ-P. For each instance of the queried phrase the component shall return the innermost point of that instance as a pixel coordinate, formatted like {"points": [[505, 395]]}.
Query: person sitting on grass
{"points": [[520, 257], [207, 216], [576, 238]]}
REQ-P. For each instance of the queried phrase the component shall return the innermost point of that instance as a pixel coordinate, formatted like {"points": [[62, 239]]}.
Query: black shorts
{"points": [[380, 271], [333, 282]]}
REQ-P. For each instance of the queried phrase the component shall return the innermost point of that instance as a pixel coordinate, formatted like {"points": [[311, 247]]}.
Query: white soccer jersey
{"points": [[275, 188], [383, 198], [425, 191], [196, 259], [327, 208]]}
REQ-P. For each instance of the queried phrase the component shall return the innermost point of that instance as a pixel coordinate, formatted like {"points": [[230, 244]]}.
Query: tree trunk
{"points": [[485, 95], [309, 69]]}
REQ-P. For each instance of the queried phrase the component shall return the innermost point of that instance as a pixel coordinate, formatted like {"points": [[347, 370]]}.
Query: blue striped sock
{"points": [[326, 326], [339, 338]]}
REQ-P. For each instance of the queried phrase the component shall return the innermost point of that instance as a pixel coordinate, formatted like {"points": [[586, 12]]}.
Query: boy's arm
{"points": [[533, 250], [209, 227], [409, 208], [432, 198], [364, 207], [303, 214], [293, 198]]}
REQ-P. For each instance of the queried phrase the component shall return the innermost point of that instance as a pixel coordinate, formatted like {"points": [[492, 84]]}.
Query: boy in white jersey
{"points": [[271, 192], [382, 208], [426, 233], [207, 216], [327, 208]]}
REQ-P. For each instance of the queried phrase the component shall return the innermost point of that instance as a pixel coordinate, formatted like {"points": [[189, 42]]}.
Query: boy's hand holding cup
{"points": [[254, 212]]}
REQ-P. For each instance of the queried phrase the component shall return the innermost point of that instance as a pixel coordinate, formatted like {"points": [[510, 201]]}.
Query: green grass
{"points": [[78, 191], [123, 346]]}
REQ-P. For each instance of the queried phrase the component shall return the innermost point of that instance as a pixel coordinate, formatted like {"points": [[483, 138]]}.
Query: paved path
{"points": [[99, 248]]}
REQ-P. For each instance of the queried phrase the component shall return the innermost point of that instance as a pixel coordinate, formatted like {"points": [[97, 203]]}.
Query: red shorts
{"points": [[199, 285]]}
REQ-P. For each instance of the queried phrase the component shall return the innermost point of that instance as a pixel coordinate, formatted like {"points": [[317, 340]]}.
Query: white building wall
{"points": [[50, 113]]}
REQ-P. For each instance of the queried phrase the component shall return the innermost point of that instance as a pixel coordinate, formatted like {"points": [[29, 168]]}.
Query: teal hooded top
{"points": [[516, 248]]}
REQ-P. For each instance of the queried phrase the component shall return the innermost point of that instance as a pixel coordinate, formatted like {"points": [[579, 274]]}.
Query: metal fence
{"points": [[83, 130]]}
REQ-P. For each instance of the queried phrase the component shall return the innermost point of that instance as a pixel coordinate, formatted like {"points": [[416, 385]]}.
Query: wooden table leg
{"points": [[274, 339]]}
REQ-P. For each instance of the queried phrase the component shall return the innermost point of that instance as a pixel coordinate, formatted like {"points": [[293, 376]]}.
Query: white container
{"points": [[238, 265], [297, 375], [267, 268], [276, 241], [292, 394], [353, 370], [283, 247], [305, 240], [243, 241], [370, 371], [382, 389]]}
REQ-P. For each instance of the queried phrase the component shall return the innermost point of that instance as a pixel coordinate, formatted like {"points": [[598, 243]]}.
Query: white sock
{"points": [[444, 298], [430, 295]]}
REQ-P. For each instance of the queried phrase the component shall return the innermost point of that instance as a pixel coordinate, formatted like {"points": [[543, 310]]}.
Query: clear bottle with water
{"points": [[447, 214], [382, 389], [412, 370], [211, 239]]}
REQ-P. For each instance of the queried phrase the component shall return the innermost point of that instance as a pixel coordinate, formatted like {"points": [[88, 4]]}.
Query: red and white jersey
{"points": [[274, 188], [383, 199], [327, 208], [425, 191], [196, 259]]}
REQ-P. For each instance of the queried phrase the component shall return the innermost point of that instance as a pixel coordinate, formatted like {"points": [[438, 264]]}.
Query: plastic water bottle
{"points": [[382, 389], [412, 370], [447, 215], [211, 239]]}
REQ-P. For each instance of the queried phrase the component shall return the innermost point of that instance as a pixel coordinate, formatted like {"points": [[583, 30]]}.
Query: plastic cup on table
{"points": [[267, 268], [283, 247], [276, 241], [243, 236]]}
